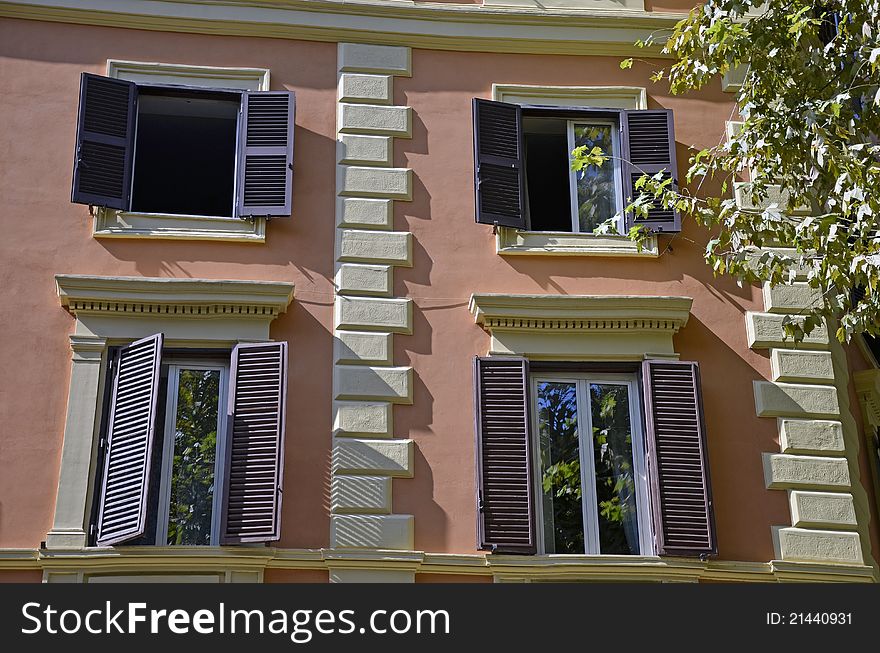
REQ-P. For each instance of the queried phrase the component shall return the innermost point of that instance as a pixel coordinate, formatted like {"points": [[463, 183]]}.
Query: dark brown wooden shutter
{"points": [[124, 489], [265, 154], [104, 142], [650, 148], [255, 449], [681, 495], [498, 163], [504, 460]]}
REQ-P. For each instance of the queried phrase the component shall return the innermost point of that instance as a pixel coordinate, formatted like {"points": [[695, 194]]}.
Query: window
{"points": [[523, 176], [190, 491], [563, 467], [192, 446], [559, 198], [590, 465], [179, 150]]}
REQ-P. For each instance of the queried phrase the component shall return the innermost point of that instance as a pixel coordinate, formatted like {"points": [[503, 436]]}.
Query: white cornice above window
{"points": [[572, 327], [182, 309]]}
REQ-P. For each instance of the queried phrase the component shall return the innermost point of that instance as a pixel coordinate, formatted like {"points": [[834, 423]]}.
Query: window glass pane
{"points": [[615, 478], [195, 447], [185, 155], [596, 195], [560, 468], [548, 180]]}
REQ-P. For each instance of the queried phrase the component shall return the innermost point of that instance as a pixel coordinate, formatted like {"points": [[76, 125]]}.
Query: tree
{"points": [[810, 110]]}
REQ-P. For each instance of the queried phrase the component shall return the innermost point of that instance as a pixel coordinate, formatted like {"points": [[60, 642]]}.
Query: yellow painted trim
{"points": [[465, 27], [78, 564]]}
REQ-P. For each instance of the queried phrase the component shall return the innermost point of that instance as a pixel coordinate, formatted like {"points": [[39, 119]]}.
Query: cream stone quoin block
{"points": [[367, 494], [790, 471], [801, 366], [822, 509], [793, 400], [824, 437], [369, 348], [374, 314], [369, 456], [364, 279], [362, 418], [372, 531], [369, 89], [364, 213], [798, 544], [367, 150]]}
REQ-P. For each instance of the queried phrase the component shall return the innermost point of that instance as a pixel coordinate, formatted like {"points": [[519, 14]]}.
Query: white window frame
{"points": [[174, 370], [614, 161], [585, 448]]}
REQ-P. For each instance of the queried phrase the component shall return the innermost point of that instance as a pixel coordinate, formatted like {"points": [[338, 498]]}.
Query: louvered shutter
{"points": [[650, 148], [265, 154], [504, 460], [681, 495], [124, 489], [498, 163], [104, 142], [255, 451]]}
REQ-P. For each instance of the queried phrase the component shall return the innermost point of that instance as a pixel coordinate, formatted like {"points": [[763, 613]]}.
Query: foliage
{"points": [[195, 446], [560, 464], [806, 158], [561, 469]]}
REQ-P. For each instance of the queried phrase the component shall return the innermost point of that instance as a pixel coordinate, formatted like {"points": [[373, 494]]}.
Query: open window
{"points": [[192, 446], [176, 150], [523, 172], [579, 459]]}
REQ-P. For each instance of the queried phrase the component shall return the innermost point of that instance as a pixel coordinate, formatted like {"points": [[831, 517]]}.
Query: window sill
{"points": [[121, 224], [512, 242]]}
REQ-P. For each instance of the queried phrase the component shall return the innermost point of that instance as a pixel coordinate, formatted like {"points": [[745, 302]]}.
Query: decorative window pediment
{"points": [[182, 309], [614, 327]]}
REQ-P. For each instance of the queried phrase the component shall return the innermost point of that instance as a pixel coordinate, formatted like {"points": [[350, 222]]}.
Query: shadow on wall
{"points": [[294, 241], [431, 522], [736, 438]]}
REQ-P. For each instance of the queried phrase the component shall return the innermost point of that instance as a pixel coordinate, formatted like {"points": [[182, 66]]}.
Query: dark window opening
{"points": [[185, 154], [547, 174]]}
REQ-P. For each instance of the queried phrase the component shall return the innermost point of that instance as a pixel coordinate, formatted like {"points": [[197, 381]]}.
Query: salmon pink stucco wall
{"points": [[44, 234], [454, 257]]}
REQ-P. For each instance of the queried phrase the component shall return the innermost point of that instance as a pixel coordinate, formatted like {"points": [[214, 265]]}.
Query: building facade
{"points": [[306, 291]]}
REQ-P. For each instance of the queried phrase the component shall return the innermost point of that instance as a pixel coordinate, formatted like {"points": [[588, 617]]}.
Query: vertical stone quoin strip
{"points": [[818, 460], [367, 455]]}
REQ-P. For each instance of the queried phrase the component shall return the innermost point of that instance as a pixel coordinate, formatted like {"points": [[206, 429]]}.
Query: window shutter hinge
{"points": [[480, 506], [495, 228]]}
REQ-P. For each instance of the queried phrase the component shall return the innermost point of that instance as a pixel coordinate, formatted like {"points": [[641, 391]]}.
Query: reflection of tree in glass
{"points": [[560, 463], [595, 184], [615, 485], [195, 445]]}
